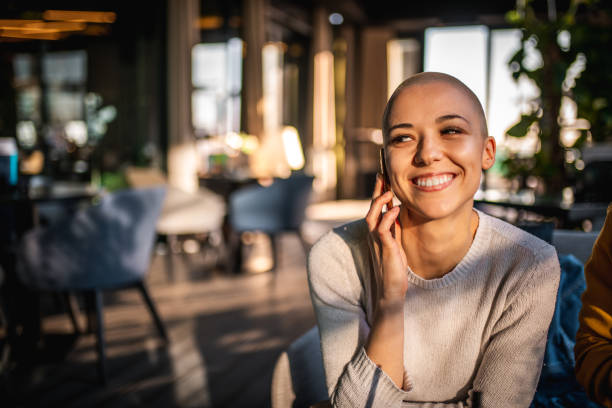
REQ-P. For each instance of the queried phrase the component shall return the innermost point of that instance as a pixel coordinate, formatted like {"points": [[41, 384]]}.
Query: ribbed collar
{"points": [[470, 261]]}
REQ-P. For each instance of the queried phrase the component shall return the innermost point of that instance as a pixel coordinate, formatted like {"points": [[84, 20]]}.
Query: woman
{"points": [[593, 348], [432, 302]]}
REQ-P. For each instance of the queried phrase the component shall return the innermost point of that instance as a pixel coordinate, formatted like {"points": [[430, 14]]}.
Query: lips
{"points": [[433, 182]]}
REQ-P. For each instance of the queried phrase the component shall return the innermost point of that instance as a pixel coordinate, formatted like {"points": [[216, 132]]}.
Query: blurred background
{"points": [[260, 120]]}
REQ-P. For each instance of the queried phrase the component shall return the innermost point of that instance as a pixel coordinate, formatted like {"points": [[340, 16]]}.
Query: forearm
{"points": [[385, 345], [593, 365]]}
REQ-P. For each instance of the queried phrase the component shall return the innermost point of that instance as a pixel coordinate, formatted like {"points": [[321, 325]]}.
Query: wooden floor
{"points": [[225, 335]]}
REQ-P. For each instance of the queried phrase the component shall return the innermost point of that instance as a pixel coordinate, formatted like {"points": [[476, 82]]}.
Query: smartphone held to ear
{"points": [[383, 170], [386, 181]]}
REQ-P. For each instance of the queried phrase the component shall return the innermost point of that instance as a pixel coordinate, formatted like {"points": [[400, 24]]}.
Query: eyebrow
{"points": [[442, 118], [451, 116], [400, 125]]}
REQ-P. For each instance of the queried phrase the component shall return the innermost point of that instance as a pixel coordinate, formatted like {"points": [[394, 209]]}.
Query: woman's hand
{"points": [[385, 345], [388, 257]]}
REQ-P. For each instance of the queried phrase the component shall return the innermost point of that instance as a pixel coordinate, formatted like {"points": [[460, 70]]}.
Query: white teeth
{"points": [[433, 181]]}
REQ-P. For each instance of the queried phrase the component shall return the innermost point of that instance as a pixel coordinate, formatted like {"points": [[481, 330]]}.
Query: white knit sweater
{"points": [[481, 327]]}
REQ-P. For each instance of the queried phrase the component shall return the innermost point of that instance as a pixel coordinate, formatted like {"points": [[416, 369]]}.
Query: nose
{"points": [[428, 151]]}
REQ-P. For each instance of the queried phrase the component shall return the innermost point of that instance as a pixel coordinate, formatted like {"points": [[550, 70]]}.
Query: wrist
{"points": [[390, 305]]}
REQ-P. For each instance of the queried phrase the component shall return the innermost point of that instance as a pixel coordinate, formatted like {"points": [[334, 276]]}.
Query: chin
{"points": [[441, 209]]}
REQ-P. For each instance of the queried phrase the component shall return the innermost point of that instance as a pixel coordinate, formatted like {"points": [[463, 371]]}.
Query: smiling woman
{"points": [[432, 301]]}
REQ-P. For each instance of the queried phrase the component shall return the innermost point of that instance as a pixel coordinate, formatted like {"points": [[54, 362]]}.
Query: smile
{"points": [[433, 182]]}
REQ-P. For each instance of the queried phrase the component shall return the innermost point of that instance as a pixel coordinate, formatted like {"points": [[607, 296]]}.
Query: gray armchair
{"points": [[107, 246], [299, 378], [279, 208]]}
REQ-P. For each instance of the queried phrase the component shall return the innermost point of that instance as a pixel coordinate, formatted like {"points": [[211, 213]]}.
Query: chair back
{"points": [[578, 243], [279, 207], [104, 246], [299, 378]]}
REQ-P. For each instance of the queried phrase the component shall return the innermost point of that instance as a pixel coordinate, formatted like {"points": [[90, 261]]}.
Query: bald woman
{"points": [[432, 303]]}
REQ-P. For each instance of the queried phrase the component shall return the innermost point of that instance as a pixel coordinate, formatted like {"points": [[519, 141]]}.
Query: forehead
{"points": [[430, 100]]}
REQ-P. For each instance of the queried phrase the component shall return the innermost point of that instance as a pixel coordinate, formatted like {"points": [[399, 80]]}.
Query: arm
{"points": [[510, 368], [335, 290], [593, 348], [385, 345]]}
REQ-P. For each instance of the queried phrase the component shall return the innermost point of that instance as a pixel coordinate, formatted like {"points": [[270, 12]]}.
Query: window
{"points": [[403, 61], [508, 98], [464, 52], [460, 52], [61, 85], [217, 81]]}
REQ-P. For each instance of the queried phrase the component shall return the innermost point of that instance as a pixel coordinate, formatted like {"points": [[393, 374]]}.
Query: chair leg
{"points": [[234, 253], [158, 321], [169, 263], [274, 247], [96, 322], [73, 311]]}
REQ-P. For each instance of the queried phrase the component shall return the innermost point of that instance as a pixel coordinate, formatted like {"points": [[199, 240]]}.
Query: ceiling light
{"points": [[80, 16], [336, 18]]}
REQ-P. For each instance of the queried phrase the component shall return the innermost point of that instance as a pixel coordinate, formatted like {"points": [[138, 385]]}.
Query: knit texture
{"points": [[481, 327], [594, 338]]}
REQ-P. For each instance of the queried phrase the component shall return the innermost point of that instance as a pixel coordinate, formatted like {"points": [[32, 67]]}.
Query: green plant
{"points": [[564, 41], [593, 90]]}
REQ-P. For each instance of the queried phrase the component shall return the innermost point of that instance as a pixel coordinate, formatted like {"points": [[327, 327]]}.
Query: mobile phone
{"points": [[383, 170], [386, 181]]}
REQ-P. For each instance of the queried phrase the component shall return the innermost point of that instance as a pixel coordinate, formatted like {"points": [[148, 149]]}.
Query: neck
{"points": [[434, 247]]}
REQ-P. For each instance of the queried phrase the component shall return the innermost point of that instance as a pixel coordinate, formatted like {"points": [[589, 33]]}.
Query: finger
{"points": [[373, 216], [390, 204], [384, 228], [385, 187], [378, 187], [374, 251], [397, 228]]}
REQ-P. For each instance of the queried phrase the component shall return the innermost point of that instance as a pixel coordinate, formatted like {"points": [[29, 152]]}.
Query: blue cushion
{"points": [[558, 386]]}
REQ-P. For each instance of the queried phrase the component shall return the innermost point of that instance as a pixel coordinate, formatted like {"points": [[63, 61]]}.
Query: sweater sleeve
{"points": [[593, 348], [512, 361], [353, 380]]}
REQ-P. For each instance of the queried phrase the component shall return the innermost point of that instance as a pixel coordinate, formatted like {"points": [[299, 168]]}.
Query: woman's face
{"points": [[436, 150]]}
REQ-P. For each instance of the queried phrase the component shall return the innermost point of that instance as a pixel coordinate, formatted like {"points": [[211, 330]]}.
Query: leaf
{"points": [[521, 128], [514, 17]]}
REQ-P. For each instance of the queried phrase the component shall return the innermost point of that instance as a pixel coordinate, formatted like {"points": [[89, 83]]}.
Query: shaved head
{"points": [[429, 77]]}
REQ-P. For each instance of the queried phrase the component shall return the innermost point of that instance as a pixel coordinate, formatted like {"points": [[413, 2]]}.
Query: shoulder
{"points": [[604, 239], [339, 259], [529, 265], [509, 240], [525, 259], [340, 242]]}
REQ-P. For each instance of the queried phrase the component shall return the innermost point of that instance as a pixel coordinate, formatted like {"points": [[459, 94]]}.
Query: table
{"points": [[566, 216]]}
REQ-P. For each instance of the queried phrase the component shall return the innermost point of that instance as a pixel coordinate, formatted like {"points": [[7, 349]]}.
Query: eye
{"points": [[452, 130], [402, 138]]}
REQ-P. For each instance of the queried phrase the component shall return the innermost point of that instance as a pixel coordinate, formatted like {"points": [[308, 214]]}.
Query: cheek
{"points": [[397, 168], [468, 153], [395, 164]]}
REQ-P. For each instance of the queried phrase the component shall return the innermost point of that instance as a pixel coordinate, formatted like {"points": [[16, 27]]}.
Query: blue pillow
{"points": [[558, 386]]}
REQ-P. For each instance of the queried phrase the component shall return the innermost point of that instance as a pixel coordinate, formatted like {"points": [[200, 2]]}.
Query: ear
{"points": [[488, 154]]}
